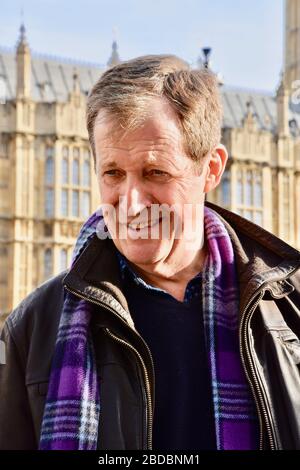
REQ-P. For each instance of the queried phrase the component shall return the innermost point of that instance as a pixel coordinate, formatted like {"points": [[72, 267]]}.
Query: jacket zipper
{"points": [[149, 409], [149, 418], [255, 385], [244, 335]]}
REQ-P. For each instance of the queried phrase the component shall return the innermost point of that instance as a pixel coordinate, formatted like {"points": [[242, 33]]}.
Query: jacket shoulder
{"points": [[39, 311]]}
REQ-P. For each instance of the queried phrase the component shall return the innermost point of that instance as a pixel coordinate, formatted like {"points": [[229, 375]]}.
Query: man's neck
{"points": [[173, 279]]}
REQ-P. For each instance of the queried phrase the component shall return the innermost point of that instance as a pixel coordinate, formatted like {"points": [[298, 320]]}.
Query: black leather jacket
{"points": [[269, 282]]}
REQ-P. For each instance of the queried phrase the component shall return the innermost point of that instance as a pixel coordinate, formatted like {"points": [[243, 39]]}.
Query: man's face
{"points": [[145, 167]]}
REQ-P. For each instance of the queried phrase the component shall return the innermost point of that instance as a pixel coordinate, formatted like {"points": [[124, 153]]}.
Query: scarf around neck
{"points": [[72, 409]]}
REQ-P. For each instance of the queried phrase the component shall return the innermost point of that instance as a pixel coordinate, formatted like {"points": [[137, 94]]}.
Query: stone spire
{"points": [[22, 41], [114, 58], [203, 62], [250, 117], [282, 101], [76, 84], [23, 60]]}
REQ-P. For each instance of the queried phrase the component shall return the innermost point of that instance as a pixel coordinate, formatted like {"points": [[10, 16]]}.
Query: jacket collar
{"points": [[260, 258], [96, 276]]}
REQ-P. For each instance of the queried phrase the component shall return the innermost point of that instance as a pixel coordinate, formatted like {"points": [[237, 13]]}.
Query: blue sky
{"points": [[246, 36]]}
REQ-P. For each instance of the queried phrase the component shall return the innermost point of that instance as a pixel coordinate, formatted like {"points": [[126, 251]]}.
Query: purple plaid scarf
{"points": [[72, 410], [235, 414]]}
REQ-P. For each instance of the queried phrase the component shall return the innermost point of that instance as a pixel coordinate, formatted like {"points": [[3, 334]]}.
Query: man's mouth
{"points": [[142, 225]]}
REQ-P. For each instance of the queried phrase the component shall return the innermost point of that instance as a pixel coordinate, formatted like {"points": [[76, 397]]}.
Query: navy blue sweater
{"points": [[174, 332]]}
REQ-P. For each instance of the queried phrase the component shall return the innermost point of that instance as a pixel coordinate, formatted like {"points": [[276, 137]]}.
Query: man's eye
{"points": [[158, 173], [112, 173]]}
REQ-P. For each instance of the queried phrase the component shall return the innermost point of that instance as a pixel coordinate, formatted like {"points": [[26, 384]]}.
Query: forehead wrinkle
{"points": [[156, 144], [108, 147], [148, 146], [151, 149], [148, 153], [156, 135]]}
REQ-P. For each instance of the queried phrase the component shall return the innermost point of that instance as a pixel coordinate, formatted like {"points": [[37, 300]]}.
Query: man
{"points": [[177, 325]]}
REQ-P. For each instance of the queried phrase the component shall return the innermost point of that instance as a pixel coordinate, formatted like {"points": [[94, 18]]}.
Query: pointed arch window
{"points": [[249, 194], [63, 259], [48, 263], [76, 172], [86, 173], [65, 171], [226, 188], [49, 171]]}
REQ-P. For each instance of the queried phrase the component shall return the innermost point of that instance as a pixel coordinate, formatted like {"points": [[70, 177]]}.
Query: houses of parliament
{"points": [[47, 182]]}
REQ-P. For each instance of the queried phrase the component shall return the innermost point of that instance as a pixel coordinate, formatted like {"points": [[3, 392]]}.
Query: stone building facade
{"points": [[47, 182]]}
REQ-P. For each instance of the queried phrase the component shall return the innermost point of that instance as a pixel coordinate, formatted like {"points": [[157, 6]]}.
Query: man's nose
{"points": [[136, 197]]}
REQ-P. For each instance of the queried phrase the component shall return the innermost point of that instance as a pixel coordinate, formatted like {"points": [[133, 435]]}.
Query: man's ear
{"points": [[215, 167]]}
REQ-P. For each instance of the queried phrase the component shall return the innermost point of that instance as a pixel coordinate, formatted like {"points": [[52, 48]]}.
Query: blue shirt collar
{"points": [[193, 289]]}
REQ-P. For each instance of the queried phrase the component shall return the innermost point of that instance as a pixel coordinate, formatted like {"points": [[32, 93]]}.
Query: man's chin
{"points": [[141, 251]]}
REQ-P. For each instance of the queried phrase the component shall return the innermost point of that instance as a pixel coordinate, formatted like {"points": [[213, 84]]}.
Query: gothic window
{"points": [[49, 202], [49, 171], [85, 204], [249, 195], [48, 264], [49, 152], [248, 192], [64, 202], [257, 189], [225, 188], [75, 203], [65, 171], [86, 173], [63, 259], [75, 194], [75, 172]]}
